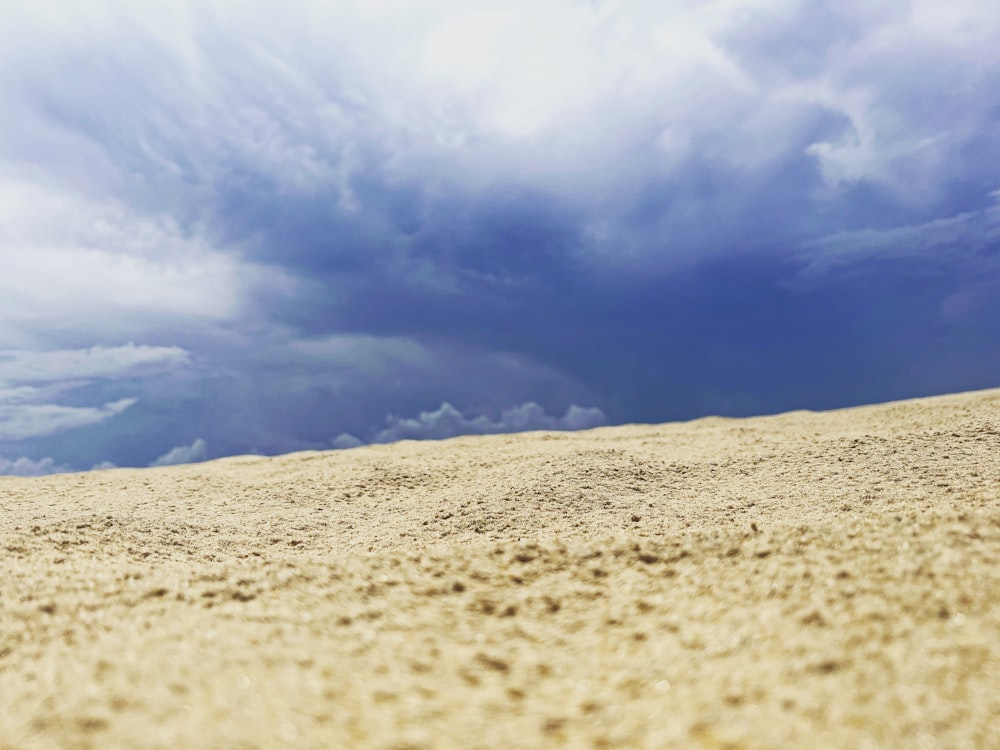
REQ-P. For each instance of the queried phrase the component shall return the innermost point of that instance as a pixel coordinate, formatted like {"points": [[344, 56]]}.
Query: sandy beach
{"points": [[804, 580]]}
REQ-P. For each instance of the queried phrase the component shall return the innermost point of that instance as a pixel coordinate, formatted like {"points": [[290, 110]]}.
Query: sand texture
{"points": [[805, 580]]}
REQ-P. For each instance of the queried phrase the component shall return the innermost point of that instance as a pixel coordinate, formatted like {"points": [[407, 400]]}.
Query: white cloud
{"points": [[30, 382], [184, 454], [94, 362], [26, 467], [75, 263], [914, 87], [22, 421], [346, 440], [447, 421]]}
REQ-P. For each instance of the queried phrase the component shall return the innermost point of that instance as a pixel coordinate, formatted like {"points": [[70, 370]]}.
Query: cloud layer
{"points": [[311, 216]]}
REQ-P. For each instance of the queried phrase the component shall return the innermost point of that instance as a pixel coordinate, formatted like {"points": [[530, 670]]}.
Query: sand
{"points": [[803, 580]]}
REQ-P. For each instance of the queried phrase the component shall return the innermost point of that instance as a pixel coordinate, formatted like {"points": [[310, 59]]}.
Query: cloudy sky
{"points": [[231, 227]]}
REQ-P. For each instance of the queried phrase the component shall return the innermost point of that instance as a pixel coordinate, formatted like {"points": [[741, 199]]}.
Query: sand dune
{"points": [[804, 580]]}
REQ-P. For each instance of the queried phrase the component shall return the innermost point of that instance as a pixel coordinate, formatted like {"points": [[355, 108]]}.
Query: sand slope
{"points": [[804, 580]]}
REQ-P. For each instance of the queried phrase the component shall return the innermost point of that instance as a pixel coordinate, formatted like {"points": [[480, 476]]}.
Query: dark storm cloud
{"points": [[345, 211]]}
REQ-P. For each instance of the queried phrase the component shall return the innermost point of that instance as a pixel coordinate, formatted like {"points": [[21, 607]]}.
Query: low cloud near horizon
{"points": [[264, 226], [447, 421], [184, 454], [442, 423]]}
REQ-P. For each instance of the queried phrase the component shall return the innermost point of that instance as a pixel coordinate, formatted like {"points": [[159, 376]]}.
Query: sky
{"points": [[253, 227]]}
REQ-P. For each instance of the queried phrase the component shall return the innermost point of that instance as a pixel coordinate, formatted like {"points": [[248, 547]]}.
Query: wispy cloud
{"points": [[31, 381], [22, 421], [937, 244], [94, 362]]}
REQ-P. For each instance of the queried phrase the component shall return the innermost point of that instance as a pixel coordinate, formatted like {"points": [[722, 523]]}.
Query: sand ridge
{"points": [[808, 579]]}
